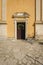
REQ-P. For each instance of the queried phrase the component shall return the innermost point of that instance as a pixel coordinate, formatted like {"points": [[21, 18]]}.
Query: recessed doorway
{"points": [[20, 30]]}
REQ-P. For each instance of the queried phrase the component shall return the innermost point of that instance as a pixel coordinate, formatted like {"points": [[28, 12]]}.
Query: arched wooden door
{"points": [[21, 30]]}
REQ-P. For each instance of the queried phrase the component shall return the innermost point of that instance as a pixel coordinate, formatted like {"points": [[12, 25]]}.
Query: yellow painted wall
{"points": [[0, 9], [20, 6]]}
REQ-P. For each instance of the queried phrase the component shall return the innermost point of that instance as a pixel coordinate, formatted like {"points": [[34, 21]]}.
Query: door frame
{"points": [[15, 22]]}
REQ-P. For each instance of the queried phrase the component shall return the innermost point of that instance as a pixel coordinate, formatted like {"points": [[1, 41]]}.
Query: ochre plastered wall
{"points": [[0, 9], [20, 6]]}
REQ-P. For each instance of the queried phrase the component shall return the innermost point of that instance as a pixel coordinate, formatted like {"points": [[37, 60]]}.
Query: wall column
{"points": [[4, 10], [39, 18]]}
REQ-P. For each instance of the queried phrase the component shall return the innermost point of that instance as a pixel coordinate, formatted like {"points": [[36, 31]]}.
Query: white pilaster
{"points": [[37, 10], [15, 29], [42, 10], [4, 10]]}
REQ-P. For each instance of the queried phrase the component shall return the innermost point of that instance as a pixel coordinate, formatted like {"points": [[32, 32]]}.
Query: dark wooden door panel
{"points": [[18, 34], [20, 30]]}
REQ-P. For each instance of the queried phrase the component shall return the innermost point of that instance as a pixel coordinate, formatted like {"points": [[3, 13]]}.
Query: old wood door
{"points": [[21, 30]]}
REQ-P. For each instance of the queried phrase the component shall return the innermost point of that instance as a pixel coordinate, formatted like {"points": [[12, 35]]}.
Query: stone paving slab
{"points": [[20, 53]]}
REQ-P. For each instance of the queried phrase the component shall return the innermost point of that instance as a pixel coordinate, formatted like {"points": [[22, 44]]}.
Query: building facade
{"points": [[21, 19]]}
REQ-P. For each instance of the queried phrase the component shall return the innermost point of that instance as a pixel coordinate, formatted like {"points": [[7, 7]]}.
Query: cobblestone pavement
{"points": [[20, 53]]}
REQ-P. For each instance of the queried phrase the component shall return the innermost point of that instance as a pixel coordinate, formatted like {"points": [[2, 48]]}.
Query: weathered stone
{"points": [[20, 53]]}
